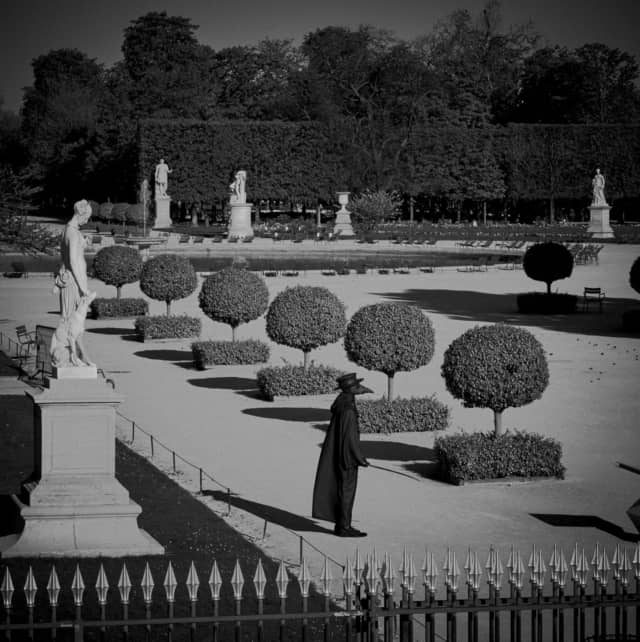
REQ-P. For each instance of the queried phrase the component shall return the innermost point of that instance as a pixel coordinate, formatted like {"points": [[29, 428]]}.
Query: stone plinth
{"points": [[343, 224], [240, 220], [163, 212], [72, 504], [599, 226]]}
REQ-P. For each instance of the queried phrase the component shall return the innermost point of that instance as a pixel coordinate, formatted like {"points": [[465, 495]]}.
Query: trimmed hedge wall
{"points": [[543, 303], [168, 327], [228, 353], [469, 456], [109, 308], [296, 380], [417, 414]]}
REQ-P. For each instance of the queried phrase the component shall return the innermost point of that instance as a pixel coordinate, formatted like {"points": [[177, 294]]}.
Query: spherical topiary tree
{"points": [[389, 338], [548, 262], [634, 275], [497, 367], [118, 265], [168, 277], [306, 317], [233, 296]]}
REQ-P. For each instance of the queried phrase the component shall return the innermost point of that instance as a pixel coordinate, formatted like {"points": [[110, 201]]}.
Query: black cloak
{"points": [[340, 453]]}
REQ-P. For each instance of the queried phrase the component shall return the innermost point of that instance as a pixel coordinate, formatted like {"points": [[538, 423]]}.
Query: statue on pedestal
{"points": [[161, 179], [238, 190], [75, 296], [598, 189]]}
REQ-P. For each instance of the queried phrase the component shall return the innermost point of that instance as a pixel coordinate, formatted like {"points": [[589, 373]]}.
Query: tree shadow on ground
{"points": [[271, 514], [586, 521], [237, 384], [289, 414], [123, 332], [426, 469], [469, 305], [178, 356]]}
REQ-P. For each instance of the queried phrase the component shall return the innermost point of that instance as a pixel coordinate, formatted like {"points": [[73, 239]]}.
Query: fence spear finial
{"points": [[102, 586], [357, 569], [31, 588], [260, 580], [53, 586], [563, 570], [170, 583], [625, 567], [215, 581], [347, 578], [237, 581], [77, 586], [193, 583], [124, 584], [282, 580], [7, 588], [636, 561], [147, 584], [430, 571], [604, 568], [304, 578], [388, 575], [615, 562], [326, 578]]}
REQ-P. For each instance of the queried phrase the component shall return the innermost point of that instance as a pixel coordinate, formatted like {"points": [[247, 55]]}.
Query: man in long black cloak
{"points": [[334, 490]]}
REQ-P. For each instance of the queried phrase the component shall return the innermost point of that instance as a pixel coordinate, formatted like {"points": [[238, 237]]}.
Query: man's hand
{"points": [[364, 463]]}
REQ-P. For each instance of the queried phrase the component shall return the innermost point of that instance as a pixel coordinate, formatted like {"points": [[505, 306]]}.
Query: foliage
{"points": [[306, 317], [544, 303], [135, 215], [465, 457], [371, 208], [118, 308], [229, 353], [497, 367], [233, 296], [389, 338], [417, 414], [548, 262], [119, 212], [168, 277], [105, 212], [117, 265], [634, 275], [297, 380], [167, 327]]}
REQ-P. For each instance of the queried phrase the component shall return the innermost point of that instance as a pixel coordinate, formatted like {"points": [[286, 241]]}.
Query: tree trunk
{"points": [[549, 287], [411, 201], [168, 307], [305, 359], [497, 422], [484, 212], [552, 210], [389, 387], [233, 333], [118, 291]]}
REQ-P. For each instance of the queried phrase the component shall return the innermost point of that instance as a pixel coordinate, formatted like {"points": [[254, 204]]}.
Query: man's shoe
{"points": [[349, 532], [356, 533]]}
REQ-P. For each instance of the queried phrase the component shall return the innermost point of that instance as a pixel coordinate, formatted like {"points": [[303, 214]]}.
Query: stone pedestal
{"points": [[163, 212], [72, 504], [343, 217], [599, 227], [240, 220]]}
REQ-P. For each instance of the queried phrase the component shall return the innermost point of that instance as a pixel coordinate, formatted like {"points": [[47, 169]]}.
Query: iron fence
{"points": [[589, 598]]}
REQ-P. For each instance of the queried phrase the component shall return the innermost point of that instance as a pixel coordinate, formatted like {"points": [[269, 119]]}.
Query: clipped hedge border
{"points": [[474, 456], [229, 353], [167, 327], [296, 381], [543, 303], [122, 308], [417, 414]]}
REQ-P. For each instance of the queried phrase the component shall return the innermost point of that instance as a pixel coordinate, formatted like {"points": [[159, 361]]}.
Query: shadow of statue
{"points": [[225, 383], [165, 355], [289, 414], [586, 521]]}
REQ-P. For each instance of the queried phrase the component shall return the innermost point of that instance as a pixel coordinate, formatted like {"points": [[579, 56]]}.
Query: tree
{"points": [[369, 209], [168, 277], [634, 275], [118, 265], [548, 262], [306, 317], [389, 338], [497, 367], [233, 296]]}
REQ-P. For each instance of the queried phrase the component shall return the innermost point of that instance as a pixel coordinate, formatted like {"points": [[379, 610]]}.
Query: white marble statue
{"points": [[238, 190], [161, 179], [598, 189], [75, 297]]}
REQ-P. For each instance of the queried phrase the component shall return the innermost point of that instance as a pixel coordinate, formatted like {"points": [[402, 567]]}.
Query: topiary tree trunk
{"points": [[118, 291], [497, 422], [305, 359], [390, 386], [233, 333], [168, 307]]}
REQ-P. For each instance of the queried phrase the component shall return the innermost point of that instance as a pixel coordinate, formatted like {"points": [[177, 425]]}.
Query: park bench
{"points": [[26, 339], [42, 365], [592, 295]]}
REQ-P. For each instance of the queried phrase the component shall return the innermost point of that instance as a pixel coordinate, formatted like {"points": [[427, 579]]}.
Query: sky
{"points": [[30, 28]]}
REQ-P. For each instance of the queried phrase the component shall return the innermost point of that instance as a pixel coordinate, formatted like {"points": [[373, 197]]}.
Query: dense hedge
{"points": [[488, 456], [228, 353], [109, 308], [168, 327], [291, 380], [543, 303], [417, 414]]}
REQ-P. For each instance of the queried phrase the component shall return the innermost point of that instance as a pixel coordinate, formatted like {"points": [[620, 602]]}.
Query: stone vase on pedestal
{"points": [[72, 504], [599, 226], [343, 217], [240, 220], [163, 211]]}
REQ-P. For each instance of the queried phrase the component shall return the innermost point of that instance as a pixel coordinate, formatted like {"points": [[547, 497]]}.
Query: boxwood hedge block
{"points": [[168, 327], [227, 353], [474, 456], [110, 308], [291, 380], [417, 414]]}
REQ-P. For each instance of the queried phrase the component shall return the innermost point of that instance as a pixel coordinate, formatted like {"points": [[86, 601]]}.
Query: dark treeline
{"points": [[353, 109]]}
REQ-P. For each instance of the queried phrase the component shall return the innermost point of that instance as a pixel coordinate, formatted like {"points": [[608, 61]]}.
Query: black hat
{"points": [[351, 383]]}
